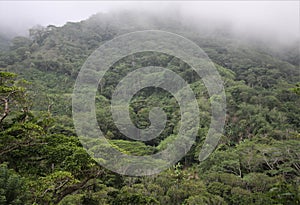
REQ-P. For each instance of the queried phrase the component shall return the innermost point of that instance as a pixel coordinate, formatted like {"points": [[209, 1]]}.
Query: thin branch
{"points": [[6, 109], [5, 101], [17, 145], [75, 187]]}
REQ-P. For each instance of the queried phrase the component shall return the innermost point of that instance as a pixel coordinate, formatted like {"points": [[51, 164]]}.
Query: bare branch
{"points": [[6, 109]]}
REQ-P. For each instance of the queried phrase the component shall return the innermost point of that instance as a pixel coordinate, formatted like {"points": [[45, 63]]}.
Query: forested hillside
{"points": [[257, 160], [4, 43]]}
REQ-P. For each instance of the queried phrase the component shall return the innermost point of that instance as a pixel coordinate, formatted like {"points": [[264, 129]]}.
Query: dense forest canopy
{"points": [[257, 160]]}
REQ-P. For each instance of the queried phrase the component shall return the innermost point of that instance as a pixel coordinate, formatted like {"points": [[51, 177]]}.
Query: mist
{"points": [[266, 20]]}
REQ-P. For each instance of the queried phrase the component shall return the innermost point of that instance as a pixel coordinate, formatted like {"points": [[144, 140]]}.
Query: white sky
{"points": [[279, 17]]}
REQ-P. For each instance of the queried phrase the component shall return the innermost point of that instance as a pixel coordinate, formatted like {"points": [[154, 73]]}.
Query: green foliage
{"points": [[43, 162], [296, 89], [134, 148], [12, 187], [136, 194]]}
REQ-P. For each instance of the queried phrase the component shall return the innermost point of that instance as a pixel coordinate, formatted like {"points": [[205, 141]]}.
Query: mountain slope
{"points": [[256, 161]]}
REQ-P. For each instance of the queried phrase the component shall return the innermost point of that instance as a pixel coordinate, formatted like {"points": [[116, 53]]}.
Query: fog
{"points": [[276, 20]]}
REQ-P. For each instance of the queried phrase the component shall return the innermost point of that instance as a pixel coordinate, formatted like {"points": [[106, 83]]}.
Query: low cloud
{"points": [[278, 20]]}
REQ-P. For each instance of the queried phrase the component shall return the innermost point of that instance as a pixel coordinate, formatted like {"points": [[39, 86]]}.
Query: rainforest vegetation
{"points": [[42, 161]]}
